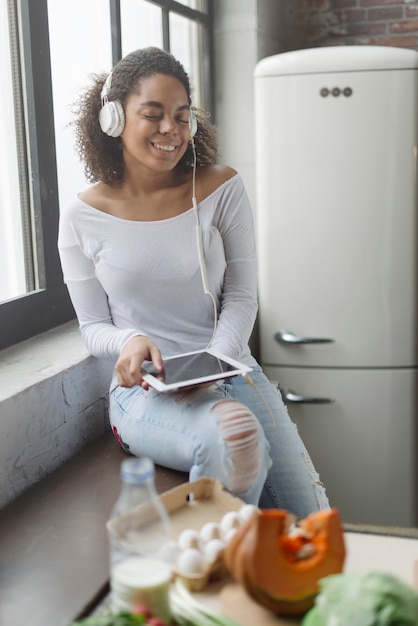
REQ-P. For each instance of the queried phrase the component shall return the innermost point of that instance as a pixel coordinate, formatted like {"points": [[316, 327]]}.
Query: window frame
{"points": [[49, 305]]}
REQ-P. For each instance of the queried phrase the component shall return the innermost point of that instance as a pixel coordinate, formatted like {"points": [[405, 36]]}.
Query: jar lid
{"points": [[140, 573]]}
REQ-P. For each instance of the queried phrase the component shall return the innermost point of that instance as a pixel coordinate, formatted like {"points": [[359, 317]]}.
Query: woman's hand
{"points": [[134, 353]]}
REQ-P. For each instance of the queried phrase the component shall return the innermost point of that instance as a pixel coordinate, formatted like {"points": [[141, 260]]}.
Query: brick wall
{"points": [[313, 23]]}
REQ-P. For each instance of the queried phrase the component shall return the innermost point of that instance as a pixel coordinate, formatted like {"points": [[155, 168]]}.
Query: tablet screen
{"points": [[191, 367]]}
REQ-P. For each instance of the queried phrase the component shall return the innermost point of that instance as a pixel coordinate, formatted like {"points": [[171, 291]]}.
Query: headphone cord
{"points": [[199, 241], [202, 264]]}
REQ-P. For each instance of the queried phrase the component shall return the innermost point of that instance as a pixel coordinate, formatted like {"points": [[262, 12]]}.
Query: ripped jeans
{"points": [[239, 434]]}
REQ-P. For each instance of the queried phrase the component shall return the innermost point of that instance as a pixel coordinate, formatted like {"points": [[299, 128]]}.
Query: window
{"points": [[12, 270], [47, 53], [147, 18]]}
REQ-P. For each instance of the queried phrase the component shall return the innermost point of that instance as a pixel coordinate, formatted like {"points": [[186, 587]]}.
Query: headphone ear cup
{"points": [[192, 124], [112, 118]]}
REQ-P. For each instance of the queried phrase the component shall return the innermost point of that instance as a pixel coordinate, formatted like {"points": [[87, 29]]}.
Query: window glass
{"points": [[199, 5], [141, 25], [75, 55], [186, 45], [12, 266]]}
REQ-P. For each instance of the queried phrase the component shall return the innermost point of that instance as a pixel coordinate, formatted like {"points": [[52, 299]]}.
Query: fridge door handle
{"points": [[294, 398], [287, 337]]}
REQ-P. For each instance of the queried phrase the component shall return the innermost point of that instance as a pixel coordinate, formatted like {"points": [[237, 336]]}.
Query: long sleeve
{"points": [[101, 337], [239, 295]]}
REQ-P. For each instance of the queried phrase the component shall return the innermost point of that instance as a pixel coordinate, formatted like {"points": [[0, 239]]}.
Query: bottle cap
{"points": [[137, 470]]}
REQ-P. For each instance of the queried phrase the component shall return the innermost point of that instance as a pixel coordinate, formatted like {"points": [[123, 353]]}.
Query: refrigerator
{"points": [[336, 222]]}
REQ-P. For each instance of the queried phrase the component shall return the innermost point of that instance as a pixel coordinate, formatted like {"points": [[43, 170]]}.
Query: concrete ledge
{"points": [[53, 400]]}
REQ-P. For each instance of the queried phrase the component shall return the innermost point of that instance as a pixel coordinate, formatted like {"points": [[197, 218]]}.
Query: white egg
{"points": [[247, 511], [189, 538], [191, 562], [169, 551], [228, 536], [230, 520], [212, 549], [209, 531]]}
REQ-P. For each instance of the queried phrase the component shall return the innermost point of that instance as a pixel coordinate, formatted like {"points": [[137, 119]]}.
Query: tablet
{"points": [[192, 368]]}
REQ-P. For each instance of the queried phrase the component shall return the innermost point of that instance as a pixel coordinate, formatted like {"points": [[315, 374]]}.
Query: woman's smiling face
{"points": [[156, 130]]}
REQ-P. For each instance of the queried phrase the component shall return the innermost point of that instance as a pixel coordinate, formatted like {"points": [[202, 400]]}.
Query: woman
{"points": [[130, 259]]}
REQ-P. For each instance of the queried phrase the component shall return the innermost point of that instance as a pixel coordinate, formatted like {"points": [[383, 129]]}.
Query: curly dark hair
{"points": [[101, 154]]}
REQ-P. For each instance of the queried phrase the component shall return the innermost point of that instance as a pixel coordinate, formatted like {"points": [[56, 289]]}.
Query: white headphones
{"points": [[112, 115]]}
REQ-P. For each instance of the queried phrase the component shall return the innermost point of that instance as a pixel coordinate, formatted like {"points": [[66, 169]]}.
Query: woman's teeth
{"points": [[164, 147]]}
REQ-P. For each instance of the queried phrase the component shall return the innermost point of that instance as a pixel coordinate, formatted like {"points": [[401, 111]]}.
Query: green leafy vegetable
{"points": [[120, 619], [363, 599]]}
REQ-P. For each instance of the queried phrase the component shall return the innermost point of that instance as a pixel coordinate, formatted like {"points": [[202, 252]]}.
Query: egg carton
{"points": [[197, 582], [201, 512]]}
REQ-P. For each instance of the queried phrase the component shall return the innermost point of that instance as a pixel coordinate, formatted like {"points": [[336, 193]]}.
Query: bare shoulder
{"points": [[96, 196], [211, 177], [92, 194]]}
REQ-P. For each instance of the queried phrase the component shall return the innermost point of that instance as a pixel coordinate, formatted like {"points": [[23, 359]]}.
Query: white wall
{"points": [[235, 45], [244, 32]]}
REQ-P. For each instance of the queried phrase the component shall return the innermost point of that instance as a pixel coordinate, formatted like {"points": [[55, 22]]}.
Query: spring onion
{"points": [[187, 611]]}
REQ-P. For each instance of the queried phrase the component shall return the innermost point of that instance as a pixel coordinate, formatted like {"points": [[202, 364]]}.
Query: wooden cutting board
{"points": [[237, 605], [396, 555]]}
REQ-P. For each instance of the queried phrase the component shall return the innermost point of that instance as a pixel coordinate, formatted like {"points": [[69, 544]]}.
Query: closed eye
{"points": [[156, 118]]}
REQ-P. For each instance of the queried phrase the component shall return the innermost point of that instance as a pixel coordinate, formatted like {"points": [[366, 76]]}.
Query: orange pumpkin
{"points": [[280, 569]]}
